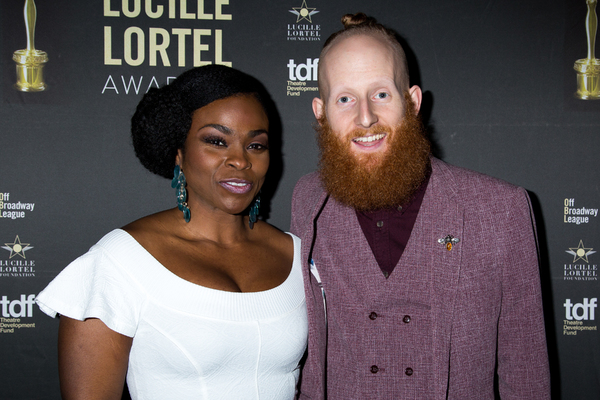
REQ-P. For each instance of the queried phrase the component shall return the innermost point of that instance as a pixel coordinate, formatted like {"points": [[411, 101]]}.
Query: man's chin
{"points": [[369, 164], [368, 159]]}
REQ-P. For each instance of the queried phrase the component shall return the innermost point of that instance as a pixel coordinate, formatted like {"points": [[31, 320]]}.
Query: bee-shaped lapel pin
{"points": [[449, 241]]}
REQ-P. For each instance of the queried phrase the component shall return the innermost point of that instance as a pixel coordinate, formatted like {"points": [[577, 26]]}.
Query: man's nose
{"points": [[366, 117]]}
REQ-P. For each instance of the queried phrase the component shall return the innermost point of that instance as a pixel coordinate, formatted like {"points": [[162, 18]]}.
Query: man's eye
{"points": [[344, 99], [382, 95]]}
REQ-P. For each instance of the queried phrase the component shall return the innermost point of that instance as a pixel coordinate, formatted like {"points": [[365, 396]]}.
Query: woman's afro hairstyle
{"points": [[163, 117]]}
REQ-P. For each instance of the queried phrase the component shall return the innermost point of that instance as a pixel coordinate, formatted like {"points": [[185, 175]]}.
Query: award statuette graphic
{"points": [[30, 61], [588, 69]]}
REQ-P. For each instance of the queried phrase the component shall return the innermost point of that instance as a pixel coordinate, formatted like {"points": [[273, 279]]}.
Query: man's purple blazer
{"points": [[485, 297]]}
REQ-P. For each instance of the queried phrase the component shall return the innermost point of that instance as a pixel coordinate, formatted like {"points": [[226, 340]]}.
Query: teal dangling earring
{"points": [[254, 212], [179, 183]]}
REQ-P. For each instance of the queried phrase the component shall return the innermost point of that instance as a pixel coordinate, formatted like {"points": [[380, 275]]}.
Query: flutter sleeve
{"points": [[97, 285]]}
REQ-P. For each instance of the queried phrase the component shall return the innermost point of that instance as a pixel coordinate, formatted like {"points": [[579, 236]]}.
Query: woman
{"points": [[201, 301]]}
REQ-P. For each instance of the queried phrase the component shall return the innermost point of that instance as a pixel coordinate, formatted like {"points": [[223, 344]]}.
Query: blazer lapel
{"points": [[440, 216], [314, 375]]}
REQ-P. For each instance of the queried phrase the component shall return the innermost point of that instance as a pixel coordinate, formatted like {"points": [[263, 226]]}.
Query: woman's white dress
{"points": [[189, 341]]}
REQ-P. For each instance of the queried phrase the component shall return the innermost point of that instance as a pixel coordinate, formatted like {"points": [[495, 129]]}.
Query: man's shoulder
{"points": [[466, 183], [308, 195], [309, 181], [308, 188]]}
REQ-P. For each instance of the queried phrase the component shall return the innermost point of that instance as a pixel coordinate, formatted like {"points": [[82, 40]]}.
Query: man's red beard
{"points": [[375, 181]]}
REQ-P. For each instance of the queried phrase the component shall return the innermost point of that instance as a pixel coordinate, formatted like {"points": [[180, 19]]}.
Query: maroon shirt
{"points": [[388, 231]]}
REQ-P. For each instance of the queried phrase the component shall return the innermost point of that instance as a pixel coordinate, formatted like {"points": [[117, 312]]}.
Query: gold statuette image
{"points": [[588, 69], [30, 62]]}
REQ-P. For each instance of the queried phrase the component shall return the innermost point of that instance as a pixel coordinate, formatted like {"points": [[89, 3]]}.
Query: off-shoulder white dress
{"points": [[189, 341]]}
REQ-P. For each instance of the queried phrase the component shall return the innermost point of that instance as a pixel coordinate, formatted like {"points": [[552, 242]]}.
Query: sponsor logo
{"points": [[303, 12], [303, 71], [580, 268], [17, 248], [580, 252], [303, 29], [299, 73], [13, 311], [13, 210], [578, 316], [17, 264], [581, 311], [577, 215]]}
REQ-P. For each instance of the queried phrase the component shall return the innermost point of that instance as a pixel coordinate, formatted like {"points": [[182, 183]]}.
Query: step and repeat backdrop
{"points": [[511, 89]]}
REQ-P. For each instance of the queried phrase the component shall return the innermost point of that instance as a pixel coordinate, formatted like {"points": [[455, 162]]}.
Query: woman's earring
{"points": [[254, 212], [179, 183]]}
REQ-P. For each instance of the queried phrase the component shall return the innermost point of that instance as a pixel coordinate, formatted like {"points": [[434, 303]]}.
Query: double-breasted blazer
{"points": [[486, 319]]}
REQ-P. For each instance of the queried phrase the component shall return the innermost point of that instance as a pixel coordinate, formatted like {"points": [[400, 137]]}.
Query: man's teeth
{"points": [[237, 184], [367, 139]]}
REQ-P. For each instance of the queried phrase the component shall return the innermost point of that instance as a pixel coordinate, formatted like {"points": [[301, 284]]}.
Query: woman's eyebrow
{"points": [[220, 128]]}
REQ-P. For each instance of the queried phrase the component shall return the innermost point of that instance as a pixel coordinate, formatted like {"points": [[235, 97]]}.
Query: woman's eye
{"points": [[257, 146], [215, 141]]}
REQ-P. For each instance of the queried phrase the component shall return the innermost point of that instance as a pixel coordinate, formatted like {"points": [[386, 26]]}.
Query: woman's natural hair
{"points": [[163, 117]]}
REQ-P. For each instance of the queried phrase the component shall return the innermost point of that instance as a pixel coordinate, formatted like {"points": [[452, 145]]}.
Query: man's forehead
{"points": [[362, 57], [359, 45]]}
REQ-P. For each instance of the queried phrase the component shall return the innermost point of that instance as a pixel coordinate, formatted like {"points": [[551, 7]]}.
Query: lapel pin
{"points": [[449, 241]]}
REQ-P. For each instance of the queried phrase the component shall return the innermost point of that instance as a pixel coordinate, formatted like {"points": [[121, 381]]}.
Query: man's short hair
{"points": [[361, 24]]}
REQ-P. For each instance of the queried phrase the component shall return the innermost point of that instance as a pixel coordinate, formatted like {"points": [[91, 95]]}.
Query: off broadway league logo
{"points": [[17, 248], [303, 12], [580, 252]]}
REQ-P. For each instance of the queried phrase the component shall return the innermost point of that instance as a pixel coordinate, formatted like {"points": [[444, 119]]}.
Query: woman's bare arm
{"points": [[92, 360]]}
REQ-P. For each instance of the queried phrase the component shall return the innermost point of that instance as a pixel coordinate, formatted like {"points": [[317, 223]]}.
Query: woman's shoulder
{"points": [[152, 229], [275, 239], [148, 223], [274, 234]]}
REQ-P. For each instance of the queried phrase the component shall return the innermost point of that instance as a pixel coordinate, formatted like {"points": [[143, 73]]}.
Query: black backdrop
{"points": [[499, 98]]}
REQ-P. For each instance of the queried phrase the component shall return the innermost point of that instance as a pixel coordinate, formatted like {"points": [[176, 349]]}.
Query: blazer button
{"points": [[408, 371], [406, 319], [373, 316], [374, 369]]}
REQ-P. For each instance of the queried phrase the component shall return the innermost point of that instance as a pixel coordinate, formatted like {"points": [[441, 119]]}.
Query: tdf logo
{"points": [[304, 71], [18, 308], [580, 311]]}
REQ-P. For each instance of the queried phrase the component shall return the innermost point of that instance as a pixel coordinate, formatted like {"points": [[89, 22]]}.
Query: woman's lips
{"points": [[238, 186]]}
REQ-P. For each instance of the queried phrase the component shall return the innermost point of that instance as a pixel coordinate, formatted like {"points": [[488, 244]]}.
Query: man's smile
{"points": [[369, 140]]}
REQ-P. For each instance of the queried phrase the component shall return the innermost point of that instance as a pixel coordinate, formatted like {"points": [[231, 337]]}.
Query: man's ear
{"points": [[417, 96], [318, 107]]}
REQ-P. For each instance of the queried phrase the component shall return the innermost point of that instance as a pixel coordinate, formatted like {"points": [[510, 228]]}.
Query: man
{"points": [[421, 278]]}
